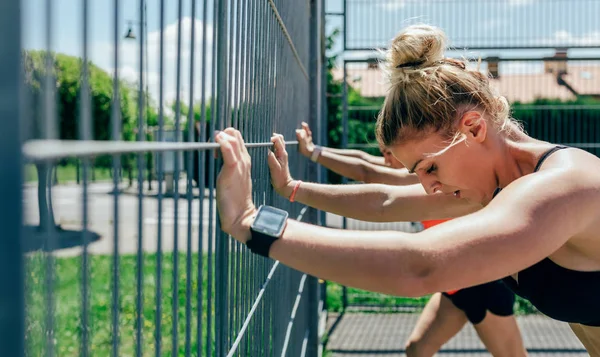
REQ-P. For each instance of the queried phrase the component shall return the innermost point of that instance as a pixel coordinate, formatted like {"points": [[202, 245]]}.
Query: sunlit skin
{"points": [[550, 214], [471, 169], [389, 158]]}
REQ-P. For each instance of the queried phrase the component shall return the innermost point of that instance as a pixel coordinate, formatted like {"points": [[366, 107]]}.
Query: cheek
{"points": [[459, 172]]}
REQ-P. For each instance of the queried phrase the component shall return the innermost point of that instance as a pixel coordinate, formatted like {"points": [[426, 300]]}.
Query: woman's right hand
{"points": [[305, 143], [278, 165]]}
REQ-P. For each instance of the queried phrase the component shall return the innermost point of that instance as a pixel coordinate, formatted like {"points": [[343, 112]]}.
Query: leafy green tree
{"points": [[66, 72]]}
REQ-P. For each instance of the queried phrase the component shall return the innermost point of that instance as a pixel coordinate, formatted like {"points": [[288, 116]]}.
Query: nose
{"points": [[430, 184]]}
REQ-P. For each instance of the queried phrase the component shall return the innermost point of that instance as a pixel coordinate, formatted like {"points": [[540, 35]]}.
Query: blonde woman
{"points": [[488, 307], [525, 211]]}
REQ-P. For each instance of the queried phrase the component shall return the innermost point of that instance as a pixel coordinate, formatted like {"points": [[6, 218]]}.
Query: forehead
{"points": [[410, 151]]}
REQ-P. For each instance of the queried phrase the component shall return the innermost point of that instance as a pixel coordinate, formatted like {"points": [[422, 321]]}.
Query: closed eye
{"points": [[431, 169]]}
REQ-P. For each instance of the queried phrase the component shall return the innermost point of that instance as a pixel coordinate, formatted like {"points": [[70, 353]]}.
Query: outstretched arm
{"points": [[359, 154], [360, 170], [368, 202], [526, 222], [306, 147]]}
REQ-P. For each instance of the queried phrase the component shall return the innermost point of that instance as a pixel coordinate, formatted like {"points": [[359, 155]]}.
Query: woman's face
{"points": [[463, 170]]}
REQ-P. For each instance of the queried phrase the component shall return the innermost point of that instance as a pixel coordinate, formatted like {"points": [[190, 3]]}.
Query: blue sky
{"points": [[465, 21], [477, 22]]}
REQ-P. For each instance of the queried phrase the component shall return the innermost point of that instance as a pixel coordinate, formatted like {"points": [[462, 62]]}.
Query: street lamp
{"points": [[130, 35]]}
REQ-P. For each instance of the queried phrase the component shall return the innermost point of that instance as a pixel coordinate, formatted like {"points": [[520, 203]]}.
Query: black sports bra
{"points": [[561, 293]]}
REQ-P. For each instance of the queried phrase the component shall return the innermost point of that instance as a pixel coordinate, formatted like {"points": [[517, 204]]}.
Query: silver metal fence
{"points": [[113, 269]]}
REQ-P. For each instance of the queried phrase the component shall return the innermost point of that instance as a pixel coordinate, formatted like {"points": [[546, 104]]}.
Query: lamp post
{"points": [[130, 35]]}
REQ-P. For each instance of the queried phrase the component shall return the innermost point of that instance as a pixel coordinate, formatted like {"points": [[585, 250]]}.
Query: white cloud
{"points": [[520, 2], [563, 37], [392, 5], [103, 52], [397, 4], [493, 24]]}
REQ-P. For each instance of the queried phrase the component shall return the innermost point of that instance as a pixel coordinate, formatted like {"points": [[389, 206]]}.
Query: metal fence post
{"points": [[315, 121], [11, 263]]}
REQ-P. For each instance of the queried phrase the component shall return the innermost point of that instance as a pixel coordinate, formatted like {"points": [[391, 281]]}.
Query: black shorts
{"points": [[477, 300]]}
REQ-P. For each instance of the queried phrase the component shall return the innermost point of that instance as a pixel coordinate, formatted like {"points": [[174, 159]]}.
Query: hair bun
{"points": [[417, 45]]}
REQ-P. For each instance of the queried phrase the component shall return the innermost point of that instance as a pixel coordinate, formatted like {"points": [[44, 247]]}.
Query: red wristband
{"points": [[295, 190]]}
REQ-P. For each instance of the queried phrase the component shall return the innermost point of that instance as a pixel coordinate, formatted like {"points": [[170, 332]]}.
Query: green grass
{"points": [[68, 296], [361, 297], [68, 305]]}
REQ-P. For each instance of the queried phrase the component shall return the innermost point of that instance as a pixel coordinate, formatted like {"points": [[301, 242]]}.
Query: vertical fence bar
{"points": [[201, 183], [47, 219], [248, 43], [312, 291], [12, 297], [221, 112], [85, 134], [211, 186], [237, 103], [345, 145], [175, 292], [115, 120], [160, 178], [141, 127], [189, 174]]}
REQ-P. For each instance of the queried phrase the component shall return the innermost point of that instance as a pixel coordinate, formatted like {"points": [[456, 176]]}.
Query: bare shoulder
{"points": [[565, 191], [573, 160], [566, 174]]}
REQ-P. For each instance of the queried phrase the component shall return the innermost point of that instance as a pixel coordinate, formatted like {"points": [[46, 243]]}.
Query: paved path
{"points": [[376, 335]]}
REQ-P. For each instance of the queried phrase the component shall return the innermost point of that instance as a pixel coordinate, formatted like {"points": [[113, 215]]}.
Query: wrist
{"points": [[287, 190], [242, 230], [316, 153]]}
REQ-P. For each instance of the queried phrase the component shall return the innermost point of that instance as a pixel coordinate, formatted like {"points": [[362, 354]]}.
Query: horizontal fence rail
{"points": [[41, 150]]}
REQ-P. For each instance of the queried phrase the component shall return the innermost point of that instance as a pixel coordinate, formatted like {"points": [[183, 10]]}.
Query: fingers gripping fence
{"points": [[137, 264]]}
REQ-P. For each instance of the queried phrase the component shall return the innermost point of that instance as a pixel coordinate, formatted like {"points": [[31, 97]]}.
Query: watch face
{"points": [[270, 220]]}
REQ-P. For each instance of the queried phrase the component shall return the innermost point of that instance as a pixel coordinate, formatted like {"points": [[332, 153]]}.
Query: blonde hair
{"points": [[428, 92]]}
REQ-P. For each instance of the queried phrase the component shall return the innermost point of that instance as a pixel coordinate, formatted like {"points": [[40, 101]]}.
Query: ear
{"points": [[474, 126]]}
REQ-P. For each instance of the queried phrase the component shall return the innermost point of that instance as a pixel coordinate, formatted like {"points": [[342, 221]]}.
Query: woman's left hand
{"points": [[234, 186]]}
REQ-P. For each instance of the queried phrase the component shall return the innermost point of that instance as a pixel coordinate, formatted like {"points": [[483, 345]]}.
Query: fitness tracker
{"points": [[267, 227]]}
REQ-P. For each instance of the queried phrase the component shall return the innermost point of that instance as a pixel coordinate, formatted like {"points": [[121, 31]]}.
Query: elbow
{"points": [[366, 174], [420, 277], [418, 284], [362, 174]]}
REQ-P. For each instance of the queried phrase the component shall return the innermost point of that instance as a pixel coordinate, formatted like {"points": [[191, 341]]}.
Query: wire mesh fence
{"points": [[135, 263]]}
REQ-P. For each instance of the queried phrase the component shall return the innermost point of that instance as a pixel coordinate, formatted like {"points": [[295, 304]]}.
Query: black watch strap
{"points": [[260, 243]]}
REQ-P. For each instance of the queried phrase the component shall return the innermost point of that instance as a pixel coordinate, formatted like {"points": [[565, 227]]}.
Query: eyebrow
{"points": [[412, 171]]}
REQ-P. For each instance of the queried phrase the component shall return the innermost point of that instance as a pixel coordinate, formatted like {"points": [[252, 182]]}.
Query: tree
{"points": [[66, 71]]}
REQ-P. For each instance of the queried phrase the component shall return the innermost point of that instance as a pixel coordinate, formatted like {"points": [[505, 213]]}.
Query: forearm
{"points": [[360, 170], [366, 202], [379, 203], [386, 262], [347, 166], [389, 176], [376, 160]]}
